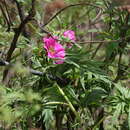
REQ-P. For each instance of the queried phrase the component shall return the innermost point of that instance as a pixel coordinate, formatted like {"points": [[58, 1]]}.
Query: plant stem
{"points": [[69, 103]]}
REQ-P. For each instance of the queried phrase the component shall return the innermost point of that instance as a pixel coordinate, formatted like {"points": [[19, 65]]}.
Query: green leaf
{"points": [[111, 48], [94, 97], [48, 117], [129, 118]]}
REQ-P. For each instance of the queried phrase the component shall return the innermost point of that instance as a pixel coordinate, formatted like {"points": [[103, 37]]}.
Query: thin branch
{"points": [[98, 47], [93, 21], [10, 21], [20, 10], [19, 30], [104, 41], [32, 71], [72, 5], [35, 72], [122, 43], [22, 16], [59, 80], [5, 16], [3, 63], [17, 34], [119, 71]]}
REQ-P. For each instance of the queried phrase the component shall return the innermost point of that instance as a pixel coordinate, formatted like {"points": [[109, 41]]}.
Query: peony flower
{"points": [[54, 49], [71, 36]]}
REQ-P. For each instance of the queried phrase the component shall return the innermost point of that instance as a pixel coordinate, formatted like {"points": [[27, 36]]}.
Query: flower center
{"points": [[51, 50]]}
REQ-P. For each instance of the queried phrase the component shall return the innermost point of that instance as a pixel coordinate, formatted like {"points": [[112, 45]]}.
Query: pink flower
{"points": [[54, 49], [70, 35]]}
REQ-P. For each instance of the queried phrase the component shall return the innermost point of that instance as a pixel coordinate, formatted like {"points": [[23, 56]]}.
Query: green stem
{"points": [[69, 103], [98, 123], [56, 103]]}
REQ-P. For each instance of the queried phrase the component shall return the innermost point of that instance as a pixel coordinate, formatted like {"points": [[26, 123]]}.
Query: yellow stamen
{"points": [[51, 50]]}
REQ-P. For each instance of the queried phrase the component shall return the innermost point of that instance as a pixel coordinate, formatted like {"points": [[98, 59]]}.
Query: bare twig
{"points": [[72, 5], [59, 80], [19, 30], [3, 63], [10, 21], [17, 34], [104, 41], [98, 47], [122, 46], [35, 72], [22, 16], [119, 74], [93, 21], [32, 71], [20, 10], [123, 42], [5, 16]]}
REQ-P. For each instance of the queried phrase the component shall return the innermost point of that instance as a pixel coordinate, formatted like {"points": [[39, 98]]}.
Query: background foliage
{"points": [[89, 91]]}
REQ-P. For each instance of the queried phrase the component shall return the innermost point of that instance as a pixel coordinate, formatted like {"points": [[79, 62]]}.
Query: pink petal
{"points": [[54, 49], [50, 55], [70, 34], [60, 54], [49, 42], [61, 61]]}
